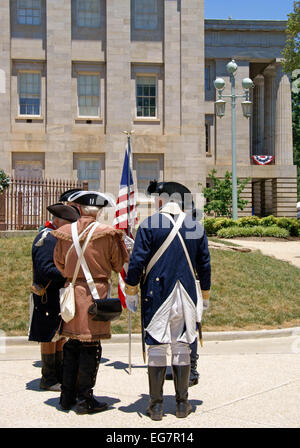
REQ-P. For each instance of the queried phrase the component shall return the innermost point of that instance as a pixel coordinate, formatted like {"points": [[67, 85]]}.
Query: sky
{"points": [[248, 9]]}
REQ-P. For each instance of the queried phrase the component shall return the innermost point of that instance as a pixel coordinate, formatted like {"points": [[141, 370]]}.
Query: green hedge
{"points": [[232, 232], [214, 225]]}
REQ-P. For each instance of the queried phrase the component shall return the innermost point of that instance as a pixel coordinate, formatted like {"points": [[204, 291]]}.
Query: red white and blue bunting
{"points": [[262, 160]]}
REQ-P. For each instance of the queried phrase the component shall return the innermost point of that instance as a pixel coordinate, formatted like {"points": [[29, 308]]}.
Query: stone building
{"points": [[75, 74]]}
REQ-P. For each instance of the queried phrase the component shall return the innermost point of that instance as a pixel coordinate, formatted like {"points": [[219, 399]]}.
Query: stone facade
{"points": [[256, 47], [183, 140]]}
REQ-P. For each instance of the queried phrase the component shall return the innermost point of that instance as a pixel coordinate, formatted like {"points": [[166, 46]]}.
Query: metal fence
{"points": [[23, 204]]}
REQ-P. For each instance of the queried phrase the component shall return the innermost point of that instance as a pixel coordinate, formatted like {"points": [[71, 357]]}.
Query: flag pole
{"points": [[128, 233]]}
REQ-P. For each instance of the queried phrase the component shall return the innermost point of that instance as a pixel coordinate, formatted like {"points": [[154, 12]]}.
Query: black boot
{"points": [[59, 365], [71, 352], [90, 355], [49, 379], [194, 375], [181, 376], [156, 377]]}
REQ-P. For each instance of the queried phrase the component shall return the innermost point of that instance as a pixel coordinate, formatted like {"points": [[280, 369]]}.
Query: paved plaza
{"points": [[244, 383]]}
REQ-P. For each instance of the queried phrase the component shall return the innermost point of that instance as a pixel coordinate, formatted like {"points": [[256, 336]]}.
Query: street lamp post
{"points": [[247, 84]]}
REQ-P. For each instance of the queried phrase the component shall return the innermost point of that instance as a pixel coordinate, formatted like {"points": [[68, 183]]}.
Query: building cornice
{"points": [[245, 25]]}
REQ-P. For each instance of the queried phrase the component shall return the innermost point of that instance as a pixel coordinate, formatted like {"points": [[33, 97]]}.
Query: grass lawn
{"points": [[249, 291]]}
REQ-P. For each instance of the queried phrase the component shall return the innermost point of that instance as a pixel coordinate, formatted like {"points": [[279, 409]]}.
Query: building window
{"points": [[88, 92], [89, 170], [88, 13], [146, 92], [29, 12], [29, 93], [209, 139], [147, 168], [207, 78], [146, 14]]}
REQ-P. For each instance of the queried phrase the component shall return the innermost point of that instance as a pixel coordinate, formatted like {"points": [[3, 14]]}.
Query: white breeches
{"points": [[157, 354]]}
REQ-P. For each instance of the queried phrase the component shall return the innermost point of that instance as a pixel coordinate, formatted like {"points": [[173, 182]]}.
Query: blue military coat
{"points": [[45, 319], [170, 270]]}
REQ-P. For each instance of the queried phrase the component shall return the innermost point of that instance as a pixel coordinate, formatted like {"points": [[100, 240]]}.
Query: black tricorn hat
{"points": [[62, 211], [93, 198], [64, 197], [176, 191]]}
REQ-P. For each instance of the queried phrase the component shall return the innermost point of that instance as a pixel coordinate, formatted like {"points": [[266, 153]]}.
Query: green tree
{"points": [[291, 50], [4, 181], [219, 195]]}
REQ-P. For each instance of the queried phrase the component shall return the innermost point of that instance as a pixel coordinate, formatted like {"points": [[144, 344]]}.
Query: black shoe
{"points": [[156, 376], [181, 376], [155, 411], [90, 406]]}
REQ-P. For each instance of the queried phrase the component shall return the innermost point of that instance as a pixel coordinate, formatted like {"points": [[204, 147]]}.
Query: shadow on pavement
{"points": [[118, 365], [169, 405], [34, 385], [54, 402]]}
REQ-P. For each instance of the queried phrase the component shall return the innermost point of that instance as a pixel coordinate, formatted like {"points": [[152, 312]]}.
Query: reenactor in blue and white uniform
{"points": [[171, 306]]}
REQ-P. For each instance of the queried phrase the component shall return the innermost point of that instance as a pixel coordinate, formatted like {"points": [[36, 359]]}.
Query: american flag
{"points": [[126, 215]]}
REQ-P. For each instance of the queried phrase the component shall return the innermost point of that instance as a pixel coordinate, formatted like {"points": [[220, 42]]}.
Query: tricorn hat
{"points": [[62, 211], [176, 191], [93, 198], [64, 197]]}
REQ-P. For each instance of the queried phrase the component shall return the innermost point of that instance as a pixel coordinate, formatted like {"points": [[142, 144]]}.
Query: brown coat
{"points": [[105, 252]]}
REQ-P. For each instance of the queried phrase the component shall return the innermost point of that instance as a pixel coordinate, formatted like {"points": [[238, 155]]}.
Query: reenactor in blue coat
{"points": [[47, 280], [170, 251]]}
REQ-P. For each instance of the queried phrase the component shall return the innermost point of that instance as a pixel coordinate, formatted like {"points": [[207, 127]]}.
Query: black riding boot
{"points": [[181, 376], [59, 365], [194, 375], [49, 380], [156, 377], [71, 351], [90, 355]]}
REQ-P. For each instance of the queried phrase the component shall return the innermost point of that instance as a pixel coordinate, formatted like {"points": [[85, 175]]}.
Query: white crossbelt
{"points": [[86, 271], [167, 242]]}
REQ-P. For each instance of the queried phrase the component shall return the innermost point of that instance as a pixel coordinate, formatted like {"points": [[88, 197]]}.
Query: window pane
{"points": [[29, 93], [146, 96], [89, 170], [88, 13], [146, 14], [146, 170], [29, 12], [88, 95]]}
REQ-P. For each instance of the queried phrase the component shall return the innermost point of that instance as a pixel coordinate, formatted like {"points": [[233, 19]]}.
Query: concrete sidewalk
{"points": [[282, 250], [244, 383]]}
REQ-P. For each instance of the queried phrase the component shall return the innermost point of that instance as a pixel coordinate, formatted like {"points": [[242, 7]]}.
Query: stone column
{"points": [[172, 77], [192, 68], [118, 93], [269, 110], [59, 64], [5, 76], [283, 123], [58, 158], [258, 115], [118, 66]]}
